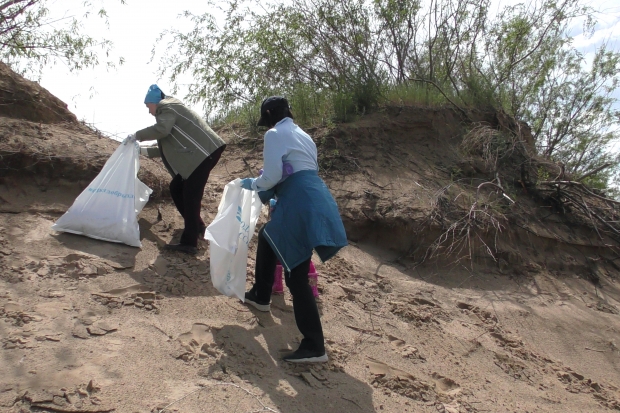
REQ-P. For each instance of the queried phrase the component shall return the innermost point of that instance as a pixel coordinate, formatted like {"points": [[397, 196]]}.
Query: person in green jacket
{"points": [[189, 149]]}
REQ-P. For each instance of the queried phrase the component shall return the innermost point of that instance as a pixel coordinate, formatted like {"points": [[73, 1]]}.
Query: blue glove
{"points": [[246, 183]]}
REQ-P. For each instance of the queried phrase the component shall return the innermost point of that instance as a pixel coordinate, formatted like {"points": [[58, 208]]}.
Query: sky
{"points": [[112, 100]]}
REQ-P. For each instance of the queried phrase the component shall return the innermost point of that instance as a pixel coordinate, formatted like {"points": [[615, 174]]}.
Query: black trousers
{"points": [[187, 196], [304, 304]]}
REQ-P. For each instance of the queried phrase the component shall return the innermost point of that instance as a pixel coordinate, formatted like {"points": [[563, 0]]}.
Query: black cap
{"points": [[271, 103]]}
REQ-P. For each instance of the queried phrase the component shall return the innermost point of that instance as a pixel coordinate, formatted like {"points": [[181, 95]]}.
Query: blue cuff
{"points": [[265, 196]]}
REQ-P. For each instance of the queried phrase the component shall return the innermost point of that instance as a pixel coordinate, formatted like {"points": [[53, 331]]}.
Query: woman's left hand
{"points": [[246, 183]]}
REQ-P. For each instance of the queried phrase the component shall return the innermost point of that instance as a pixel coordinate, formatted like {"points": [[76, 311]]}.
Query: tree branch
{"points": [[444, 95], [600, 168]]}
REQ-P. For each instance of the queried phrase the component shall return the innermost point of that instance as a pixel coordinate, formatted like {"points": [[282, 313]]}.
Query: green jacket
{"points": [[183, 137]]}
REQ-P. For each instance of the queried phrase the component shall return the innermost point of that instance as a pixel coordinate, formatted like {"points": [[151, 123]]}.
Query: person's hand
{"points": [[129, 139], [272, 207], [246, 183]]}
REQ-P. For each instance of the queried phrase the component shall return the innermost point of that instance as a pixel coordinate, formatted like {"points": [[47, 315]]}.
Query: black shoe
{"points": [[302, 355], [188, 249], [201, 231], [251, 299]]}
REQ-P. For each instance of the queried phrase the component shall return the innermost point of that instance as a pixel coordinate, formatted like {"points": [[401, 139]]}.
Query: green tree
{"points": [[573, 118], [349, 54], [327, 44], [31, 38], [537, 76]]}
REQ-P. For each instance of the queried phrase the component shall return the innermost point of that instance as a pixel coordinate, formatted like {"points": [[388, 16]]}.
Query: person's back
{"points": [[298, 147], [286, 143], [190, 149], [184, 138], [192, 124]]}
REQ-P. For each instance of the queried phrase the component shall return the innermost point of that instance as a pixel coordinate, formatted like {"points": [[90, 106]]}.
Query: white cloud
{"points": [[609, 34]]}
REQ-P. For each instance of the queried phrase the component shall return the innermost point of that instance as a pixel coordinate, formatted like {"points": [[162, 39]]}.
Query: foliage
{"points": [[32, 39], [323, 53], [341, 59], [572, 115]]}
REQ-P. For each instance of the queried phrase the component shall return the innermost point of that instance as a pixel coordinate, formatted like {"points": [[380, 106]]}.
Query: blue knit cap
{"points": [[153, 95]]}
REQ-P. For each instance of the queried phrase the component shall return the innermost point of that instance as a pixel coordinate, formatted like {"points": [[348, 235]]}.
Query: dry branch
{"points": [[584, 207], [581, 186], [495, 185], [444, 95], [468, 226], [597, 170]]}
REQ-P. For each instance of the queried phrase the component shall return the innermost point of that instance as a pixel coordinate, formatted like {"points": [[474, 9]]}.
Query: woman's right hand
{"points": [[246, 183], [129, 139]]}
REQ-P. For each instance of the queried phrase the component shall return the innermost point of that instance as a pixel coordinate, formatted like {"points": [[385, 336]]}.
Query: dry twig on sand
{"points": [[204, 386]]}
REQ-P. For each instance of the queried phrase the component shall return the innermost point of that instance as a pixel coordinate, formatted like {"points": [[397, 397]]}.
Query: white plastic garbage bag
{"points": [[230, 234], [108, 208]]}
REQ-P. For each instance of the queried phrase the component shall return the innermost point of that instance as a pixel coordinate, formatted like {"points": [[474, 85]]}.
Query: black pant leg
{"points": [[193, 191], [305, 309], [266, 261], [176, 192]]}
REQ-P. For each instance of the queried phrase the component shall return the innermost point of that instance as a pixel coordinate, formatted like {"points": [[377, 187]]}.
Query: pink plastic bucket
{"points": [[277, 288], [313, 279]]}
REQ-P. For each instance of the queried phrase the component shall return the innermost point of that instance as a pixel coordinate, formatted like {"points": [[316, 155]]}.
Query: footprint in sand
{"points": [[405, 349], [445, 385], [197, 343]]}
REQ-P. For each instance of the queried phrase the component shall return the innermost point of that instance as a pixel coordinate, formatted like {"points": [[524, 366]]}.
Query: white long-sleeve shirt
{"points": [[285, 142]]}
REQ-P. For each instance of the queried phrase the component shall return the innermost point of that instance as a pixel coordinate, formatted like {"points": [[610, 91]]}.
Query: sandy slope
{"points": [[90, 326], [74, 310]]}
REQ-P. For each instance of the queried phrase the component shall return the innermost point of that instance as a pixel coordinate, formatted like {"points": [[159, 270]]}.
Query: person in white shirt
{"points": [[305, 219]]}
